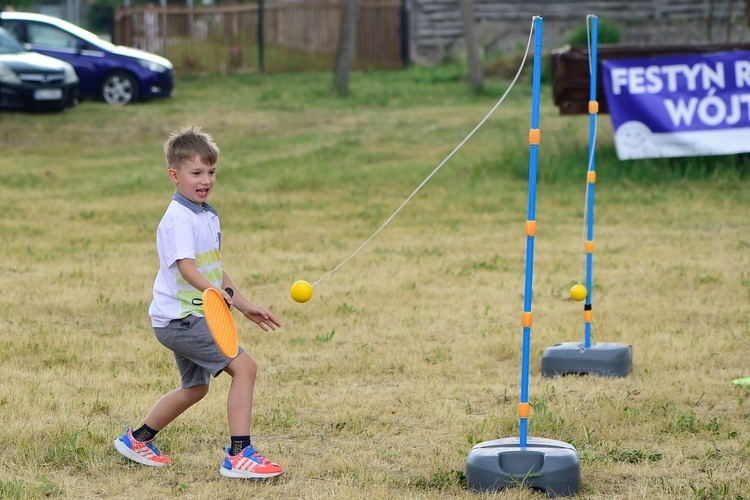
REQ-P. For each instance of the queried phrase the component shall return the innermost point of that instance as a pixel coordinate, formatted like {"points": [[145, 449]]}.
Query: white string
{"points": [[499, 102]]}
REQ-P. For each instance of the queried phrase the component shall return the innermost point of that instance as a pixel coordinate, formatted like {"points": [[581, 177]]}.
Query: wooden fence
{"points": [[436, 29], [298, 35], [263, 36]]}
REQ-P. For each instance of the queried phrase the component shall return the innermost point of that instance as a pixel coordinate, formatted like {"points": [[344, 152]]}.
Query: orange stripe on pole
{"points": [[523, 410], [535, 135], [593, 107], [588, 316], [530, 228], [526, 319], [591, 177], [589, 246]]}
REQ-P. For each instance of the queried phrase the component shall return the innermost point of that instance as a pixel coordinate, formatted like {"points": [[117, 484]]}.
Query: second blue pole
{"points": [[526, 319]]}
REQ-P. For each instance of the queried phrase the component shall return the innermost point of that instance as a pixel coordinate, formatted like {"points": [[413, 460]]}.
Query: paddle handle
{"points": [[230, 292]]}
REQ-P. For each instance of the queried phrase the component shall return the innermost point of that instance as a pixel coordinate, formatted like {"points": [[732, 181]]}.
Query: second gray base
{"points": [[607, 359]]}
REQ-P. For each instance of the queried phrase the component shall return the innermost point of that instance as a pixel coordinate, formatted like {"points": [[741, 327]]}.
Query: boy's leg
{"points": [[243, 370], [169, 407], [173, 404], [248, 463]]}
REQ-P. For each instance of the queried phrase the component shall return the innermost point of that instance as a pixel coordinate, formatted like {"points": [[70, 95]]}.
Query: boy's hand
{"points": [[227, 297], [261, 317]]}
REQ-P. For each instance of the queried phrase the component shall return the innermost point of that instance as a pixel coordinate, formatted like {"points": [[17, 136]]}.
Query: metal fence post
{"points": [[261, 59], [405, 33], [165, 51]]}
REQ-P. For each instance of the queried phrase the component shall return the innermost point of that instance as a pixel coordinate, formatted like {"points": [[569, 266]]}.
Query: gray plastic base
{"points": [[608, 359], [544, 464]]}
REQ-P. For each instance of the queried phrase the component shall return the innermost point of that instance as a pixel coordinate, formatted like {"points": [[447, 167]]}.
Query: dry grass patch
{"points": [[408, 355]]}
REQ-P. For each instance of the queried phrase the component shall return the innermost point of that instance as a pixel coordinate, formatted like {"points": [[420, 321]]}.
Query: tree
{"points": [[729, 9], [347, 47], [12, 4], [476, 75]]}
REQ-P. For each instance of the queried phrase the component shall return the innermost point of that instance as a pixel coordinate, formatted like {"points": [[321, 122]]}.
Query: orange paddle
{"points": [[220, 321]]}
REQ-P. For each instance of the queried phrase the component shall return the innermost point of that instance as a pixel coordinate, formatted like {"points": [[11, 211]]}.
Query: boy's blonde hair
{"points": [[187, 143]]}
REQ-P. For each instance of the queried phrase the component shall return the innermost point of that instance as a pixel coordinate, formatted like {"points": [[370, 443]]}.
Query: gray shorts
{"points": [[195, 351]]}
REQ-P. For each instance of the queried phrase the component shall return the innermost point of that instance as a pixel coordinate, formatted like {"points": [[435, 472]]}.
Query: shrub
{"points": [[608, 32]]}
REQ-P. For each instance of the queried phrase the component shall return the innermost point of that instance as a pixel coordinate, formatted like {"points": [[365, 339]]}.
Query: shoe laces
{"points": [[251, 452], [152, 446]]}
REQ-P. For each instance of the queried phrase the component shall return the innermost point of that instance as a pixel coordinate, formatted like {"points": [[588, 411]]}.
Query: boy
{"points": [[188, 241]]}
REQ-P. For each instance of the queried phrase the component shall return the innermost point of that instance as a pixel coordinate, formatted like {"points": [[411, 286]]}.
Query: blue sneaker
{"points": [[249, 464], [143, 452]]}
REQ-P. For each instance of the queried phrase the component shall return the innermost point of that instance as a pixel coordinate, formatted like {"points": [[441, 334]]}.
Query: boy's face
{"points": [[193, 180]]}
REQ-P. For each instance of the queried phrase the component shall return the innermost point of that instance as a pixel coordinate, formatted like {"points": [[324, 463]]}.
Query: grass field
{"points": [[410, 353]]}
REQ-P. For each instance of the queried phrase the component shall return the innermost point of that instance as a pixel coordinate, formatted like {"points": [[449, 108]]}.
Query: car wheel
{"points": [[119, 88]]}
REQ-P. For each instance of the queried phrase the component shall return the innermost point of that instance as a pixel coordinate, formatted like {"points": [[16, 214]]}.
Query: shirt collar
{"points": [[195, 207]]}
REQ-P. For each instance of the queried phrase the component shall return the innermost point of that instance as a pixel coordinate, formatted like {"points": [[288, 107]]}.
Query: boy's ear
{"points": [[172, 173]]}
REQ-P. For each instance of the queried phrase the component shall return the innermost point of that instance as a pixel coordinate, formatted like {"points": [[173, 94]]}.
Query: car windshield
{"points": [[82, 33], [8, 44]]}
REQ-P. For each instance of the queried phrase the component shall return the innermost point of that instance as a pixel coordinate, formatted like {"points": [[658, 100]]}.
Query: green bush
{"points": [[608, 32], [100, 18]]}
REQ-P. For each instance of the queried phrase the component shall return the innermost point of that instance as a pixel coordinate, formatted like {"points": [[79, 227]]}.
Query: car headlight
{"points": [[9, 76], [152, 66], [70, 75]]}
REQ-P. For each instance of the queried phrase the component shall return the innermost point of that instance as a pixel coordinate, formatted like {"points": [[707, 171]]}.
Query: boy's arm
{"points": [[255, 313], [193, 276]]}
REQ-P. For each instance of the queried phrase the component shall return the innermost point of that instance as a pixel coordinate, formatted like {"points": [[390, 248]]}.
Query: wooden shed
{"points": [[570, 69]]}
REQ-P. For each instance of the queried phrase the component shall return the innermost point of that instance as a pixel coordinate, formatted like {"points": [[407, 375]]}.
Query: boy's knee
{"points": [[243, 365], [196, 392], [249, 367], [253, 366]]}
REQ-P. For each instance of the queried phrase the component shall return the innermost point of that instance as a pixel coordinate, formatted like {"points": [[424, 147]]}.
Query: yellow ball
{"points": [[578, 292], [301, 291]]}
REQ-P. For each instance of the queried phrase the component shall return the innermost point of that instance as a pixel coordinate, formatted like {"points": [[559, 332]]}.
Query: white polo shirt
{"points": [[186, 231]]}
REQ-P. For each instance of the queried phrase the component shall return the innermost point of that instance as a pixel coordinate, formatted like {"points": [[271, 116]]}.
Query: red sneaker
{"points": [[249, 464], [143, 452]]}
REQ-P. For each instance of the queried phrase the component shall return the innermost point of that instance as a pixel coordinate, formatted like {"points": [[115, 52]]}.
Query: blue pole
{"points": [[591, 179], [534, 138]]}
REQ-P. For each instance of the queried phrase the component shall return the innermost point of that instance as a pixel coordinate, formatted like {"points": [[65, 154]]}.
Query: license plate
{"points": [[48, 94]]}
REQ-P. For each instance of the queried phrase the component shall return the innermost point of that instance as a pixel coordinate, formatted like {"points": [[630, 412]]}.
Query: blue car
{"points": [[119, 75]]}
